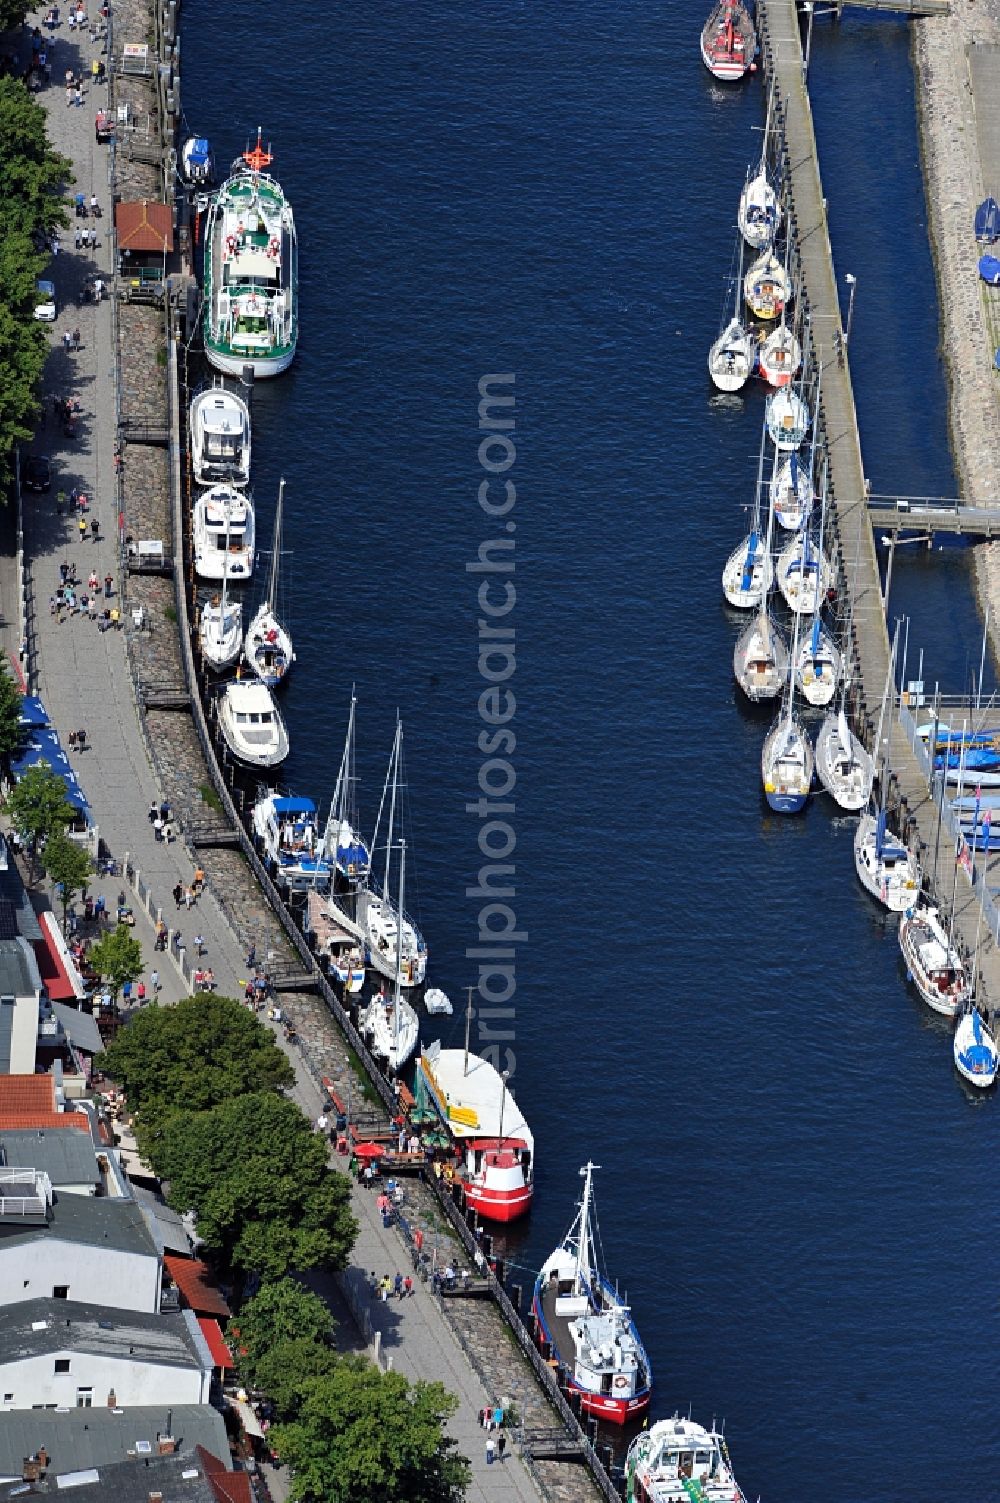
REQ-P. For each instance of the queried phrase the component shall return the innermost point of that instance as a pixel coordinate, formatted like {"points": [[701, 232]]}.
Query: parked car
{"points": [[36, 473], [45, 308]]}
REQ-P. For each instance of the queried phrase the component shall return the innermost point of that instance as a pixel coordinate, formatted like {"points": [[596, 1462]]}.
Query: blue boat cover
{"points": [[201, 151], [814, 644], [751, 556], [354, 855], [44, 747], [33, 712], [880, 834], [294, 806], [988, 221], [989, 270]]}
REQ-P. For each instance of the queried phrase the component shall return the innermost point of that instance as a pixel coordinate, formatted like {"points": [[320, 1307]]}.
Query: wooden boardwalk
{"points": [[851, 525]]}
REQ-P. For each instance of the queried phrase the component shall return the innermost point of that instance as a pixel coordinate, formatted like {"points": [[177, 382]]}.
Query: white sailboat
{"points": [[817, 667], [787, 418], [886, 868], [760, 658], [759, 213], [393, 1028], [932, 962], [792, 492], [779, 357], [787, 758], [799, 563], [767, 287], [730, 360], [749, 571], [219, 424], [843, 766], [341, 842], [975, 1050], [268, 645], [394, 943]]}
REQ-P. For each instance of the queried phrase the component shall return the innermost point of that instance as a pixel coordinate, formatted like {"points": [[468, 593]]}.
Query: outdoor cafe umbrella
{"points": [[369, 1150]]}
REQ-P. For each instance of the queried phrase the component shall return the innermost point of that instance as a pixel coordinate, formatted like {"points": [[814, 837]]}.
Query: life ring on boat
{"points": [[274, 246], [253, 306], [272, 635], [621, 1382]]}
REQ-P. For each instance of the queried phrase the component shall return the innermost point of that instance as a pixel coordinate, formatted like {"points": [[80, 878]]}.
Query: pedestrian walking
{"points": [[199, 945], [67, 340], [69, 94], [95, 529], [108, 586], [188, 897], [397, 1286], [94, 206], [63, 573], [491, 1446], [407, 1285], [126, 991], [199, 880], [251, 957], [98, 289], [164, 811], [82, 528], [77, 237], [154, 981], [81, 737], [76, 339], [72, 740], [140, 992], [501, 1446], [178, 889], [158, 829]]}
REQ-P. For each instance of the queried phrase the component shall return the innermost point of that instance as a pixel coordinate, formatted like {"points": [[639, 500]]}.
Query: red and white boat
{"points": [[479, 1110], [729, 41], [588, 1325]]}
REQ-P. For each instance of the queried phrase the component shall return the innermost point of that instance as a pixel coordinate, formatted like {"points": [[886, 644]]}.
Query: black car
{"points": [[36, 474]]}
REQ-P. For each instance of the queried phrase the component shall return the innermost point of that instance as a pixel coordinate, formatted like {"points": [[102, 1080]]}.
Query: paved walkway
{"points": [[83, 678]]}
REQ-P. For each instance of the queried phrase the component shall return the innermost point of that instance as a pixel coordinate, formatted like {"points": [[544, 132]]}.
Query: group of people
{"points": [[386, 1288], [70, 599]]}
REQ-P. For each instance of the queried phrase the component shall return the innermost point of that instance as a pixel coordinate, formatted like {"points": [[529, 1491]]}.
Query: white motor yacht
{"points": [[252, 725], [223, 532], [219, 424]]}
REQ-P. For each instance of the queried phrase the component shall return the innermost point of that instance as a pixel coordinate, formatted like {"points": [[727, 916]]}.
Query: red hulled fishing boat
{"points": [[729, 41]]}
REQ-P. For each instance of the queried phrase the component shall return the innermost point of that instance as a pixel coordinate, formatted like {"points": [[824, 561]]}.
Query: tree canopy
{"points": [[206, 1050], [11, 701], [32, 178], [37, 803], [69, 866], [258, 1180], [281, 1311], [362, 1433], [117, 958]]}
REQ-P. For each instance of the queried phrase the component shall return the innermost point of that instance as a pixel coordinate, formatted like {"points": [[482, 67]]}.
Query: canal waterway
{"points": [[793, 1184]]}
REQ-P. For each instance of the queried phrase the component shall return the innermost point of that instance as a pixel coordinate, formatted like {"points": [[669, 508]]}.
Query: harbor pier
{"points": [[853, 520]]}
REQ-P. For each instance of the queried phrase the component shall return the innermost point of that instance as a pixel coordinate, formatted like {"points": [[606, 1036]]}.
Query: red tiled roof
{"points": [[12, 1120], [228, 1487], [27, 1093], [212, 1332], [194, 1279], [145, 226]]}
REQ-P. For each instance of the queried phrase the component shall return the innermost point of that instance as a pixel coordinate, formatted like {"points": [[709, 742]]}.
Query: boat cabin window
{"points": [[685, 1463]]}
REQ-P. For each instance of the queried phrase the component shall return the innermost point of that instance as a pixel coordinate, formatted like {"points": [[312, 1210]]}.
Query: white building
{"points": [[68, 1355], [62, 1246]]}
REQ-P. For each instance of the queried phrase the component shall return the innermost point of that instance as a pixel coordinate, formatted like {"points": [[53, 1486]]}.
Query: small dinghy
{"points": [[792, 493], [767, 287], [787, 419], [197, 162], [885, 868], [437, 1002], [730, 360], [989, 270], [759, 212], [760, 658], [843, 766], [975, 1050], [729, 41], [932, 962], [780, 357], [251, 724]]}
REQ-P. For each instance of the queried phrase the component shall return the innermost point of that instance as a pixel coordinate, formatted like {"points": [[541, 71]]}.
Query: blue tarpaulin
{"points": [[33, 712], [44, 746], [988, 221], [989, 270], [294, 806], [200, 151]]}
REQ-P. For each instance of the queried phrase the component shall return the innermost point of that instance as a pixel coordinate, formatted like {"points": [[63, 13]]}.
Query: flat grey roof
{"points": [[13, 891], [178, 1479], [94, 1220], [69, 1325], [169, 1224], [78, 1026], [19, 973], [83, 1438], [66, 1155]]}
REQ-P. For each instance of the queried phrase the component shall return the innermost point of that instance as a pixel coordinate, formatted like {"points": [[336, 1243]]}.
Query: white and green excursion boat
{"points": [[251, 272]]}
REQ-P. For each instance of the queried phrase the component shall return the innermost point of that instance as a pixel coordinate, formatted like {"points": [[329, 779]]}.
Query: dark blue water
{"points": [[794, 1187]]}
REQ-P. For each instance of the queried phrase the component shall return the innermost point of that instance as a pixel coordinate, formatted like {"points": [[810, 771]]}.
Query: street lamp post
{"points": [[852, 283]]}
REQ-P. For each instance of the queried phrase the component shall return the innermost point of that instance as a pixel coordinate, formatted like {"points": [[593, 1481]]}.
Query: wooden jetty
{"points": [[896, 7], [851, 515], [933, 515]]}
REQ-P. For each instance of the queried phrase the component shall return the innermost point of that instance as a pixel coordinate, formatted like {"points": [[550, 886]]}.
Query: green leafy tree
{"points": [[33, 177], [257, 1178], [286, 1371], [11, 702], [69, 866], [117, 958], [196, 1055], [281, 1311], [361, 1433], [37, 804]]}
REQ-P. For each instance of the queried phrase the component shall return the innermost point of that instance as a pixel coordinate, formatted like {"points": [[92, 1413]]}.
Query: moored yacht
{"points": [[767, 287], [679, 1461], [932, 962], [219, 426], [792, 492], [779, 357], [760, 658], [220, 631], [197, 162], [222, 531], [287, 829], [975, 1050], [588, 1325], [730, 360], [885, 867], [252, 725], [394, 944], [268, 644], [729, 41], [843, 766]]}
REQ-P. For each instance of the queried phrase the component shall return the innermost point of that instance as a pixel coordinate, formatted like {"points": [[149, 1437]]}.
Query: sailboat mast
{"points": [[468, 1026], [272, 585], [335, 819], [583, 1269], [819, 558], [394, 762], [399, 945]]}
